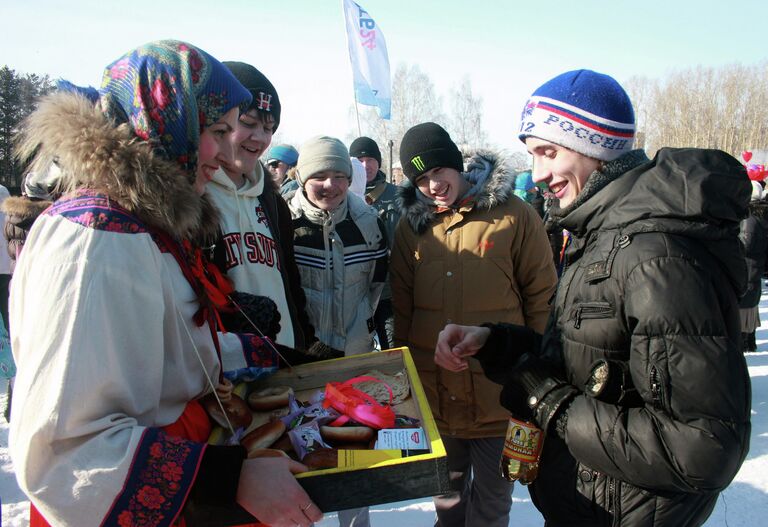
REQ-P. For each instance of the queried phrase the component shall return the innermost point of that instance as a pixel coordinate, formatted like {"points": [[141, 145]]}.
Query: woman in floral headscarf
{"points": [[112, 308]]}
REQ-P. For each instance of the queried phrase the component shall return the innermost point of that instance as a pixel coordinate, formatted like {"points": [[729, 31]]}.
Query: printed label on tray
{"points": [[401, 439]]}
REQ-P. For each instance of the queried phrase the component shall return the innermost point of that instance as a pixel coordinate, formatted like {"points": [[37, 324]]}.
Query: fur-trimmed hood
{"points": [[758, 208], [94, 153], [22, 211], [495, 189]]}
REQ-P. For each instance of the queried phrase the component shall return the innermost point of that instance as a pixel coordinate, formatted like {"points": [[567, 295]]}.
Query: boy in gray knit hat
{"points": [[337, 235]]}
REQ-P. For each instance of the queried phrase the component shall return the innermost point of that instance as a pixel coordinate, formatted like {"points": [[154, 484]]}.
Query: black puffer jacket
{"points": [[652, 280], [754, 236]]}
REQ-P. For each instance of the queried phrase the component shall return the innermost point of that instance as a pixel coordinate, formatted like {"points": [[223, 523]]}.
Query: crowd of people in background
{"points": [[172, 251]]}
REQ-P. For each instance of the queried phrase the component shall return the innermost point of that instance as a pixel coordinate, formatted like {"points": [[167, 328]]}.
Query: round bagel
{"points": [[322, 458], [269, 398], [347, 434], [263, 436]]}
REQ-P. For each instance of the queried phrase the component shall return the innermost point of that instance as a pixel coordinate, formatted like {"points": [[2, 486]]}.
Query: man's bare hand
{"points": [[455, 343]]}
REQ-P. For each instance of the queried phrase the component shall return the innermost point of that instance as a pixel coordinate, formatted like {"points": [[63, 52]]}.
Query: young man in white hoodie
{"points": [[255, 246]]}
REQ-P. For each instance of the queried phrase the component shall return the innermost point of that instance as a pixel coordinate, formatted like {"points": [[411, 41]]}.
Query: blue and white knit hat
{"points": [[585, 111]]}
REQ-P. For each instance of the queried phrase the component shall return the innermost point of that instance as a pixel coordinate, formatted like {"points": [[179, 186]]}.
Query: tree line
{"points": [[721, 107], [18, 97], [706, 107]]}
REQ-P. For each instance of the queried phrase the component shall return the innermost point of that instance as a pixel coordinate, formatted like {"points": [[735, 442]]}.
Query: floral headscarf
{"points": [[168, 91]]}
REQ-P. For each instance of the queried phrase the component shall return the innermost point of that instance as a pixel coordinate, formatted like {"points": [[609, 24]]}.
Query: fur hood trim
{"points": [[498, 188], [95, 153], [22, 211], [758, 208]]}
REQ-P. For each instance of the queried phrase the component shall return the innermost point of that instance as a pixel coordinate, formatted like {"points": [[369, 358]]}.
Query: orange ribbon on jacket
{"points": [[358, 405], [216, 288]]}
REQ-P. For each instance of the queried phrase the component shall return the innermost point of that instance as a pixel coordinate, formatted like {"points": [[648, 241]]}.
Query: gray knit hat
{"points": [[322, 153]]}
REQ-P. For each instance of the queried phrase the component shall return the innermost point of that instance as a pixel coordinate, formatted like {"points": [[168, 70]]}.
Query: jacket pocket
{"points": [[589, 311], [484, 397], [428, 284]]}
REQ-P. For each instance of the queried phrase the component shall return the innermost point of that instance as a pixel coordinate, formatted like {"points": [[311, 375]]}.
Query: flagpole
{"points": [[357, 114]]}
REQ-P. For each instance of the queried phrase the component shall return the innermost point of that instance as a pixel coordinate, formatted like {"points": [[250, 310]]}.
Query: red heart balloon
{"points": [[746, 155], [755, 174]]}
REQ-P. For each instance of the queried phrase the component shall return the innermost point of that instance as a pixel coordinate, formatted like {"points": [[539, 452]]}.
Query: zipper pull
{"points": [[577, 317], [655, 388]]}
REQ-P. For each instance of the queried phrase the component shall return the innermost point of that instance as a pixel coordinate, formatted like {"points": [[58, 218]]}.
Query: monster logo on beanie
{"points": [[427, 146], [585, 111]]}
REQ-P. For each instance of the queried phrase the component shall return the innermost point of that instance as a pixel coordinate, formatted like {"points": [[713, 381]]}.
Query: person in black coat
{"points": [[638, 382], [754, 236]]}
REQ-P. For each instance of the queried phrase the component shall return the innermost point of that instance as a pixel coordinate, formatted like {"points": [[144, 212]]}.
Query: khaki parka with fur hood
{"points": [[486, 260]]}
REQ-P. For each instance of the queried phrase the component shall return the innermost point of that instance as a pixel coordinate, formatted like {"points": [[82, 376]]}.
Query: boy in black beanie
{"points": [[381, 195], [468, 249], [251, 208]]}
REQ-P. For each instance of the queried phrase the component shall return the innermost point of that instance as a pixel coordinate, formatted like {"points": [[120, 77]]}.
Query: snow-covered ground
{"points": [[743, 504]]}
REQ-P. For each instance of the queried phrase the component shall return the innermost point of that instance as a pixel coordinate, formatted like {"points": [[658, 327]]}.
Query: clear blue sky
{"points": [[508, 48]]}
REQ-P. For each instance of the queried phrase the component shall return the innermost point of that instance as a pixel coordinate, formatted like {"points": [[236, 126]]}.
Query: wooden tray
{"points": [[376, 476]]}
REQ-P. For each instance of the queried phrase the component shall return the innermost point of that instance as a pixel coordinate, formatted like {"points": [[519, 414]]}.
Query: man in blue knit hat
{"points": [[638, 382], [528, 191], [281, 159]]}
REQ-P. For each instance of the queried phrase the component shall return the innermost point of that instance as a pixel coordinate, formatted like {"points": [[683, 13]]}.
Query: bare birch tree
{"points": [[466, 119], [414, 101], [723, 107]]}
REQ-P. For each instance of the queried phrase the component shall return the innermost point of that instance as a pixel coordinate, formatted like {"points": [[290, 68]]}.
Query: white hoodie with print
{"points": [[252, 257]]}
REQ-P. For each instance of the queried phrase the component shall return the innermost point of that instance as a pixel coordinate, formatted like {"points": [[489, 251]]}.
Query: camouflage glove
{"points": [[261, 310], [323, 351]]}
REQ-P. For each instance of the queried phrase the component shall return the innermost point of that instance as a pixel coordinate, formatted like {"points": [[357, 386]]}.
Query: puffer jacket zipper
{"points": [[591, 310], [614, 501], [657, 392]]}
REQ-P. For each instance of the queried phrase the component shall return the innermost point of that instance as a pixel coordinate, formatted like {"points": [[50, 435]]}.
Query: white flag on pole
{"points": [[368, 56]]}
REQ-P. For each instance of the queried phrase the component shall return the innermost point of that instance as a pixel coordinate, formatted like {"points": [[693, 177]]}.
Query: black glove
{"points": [[261, 310], [502, 350], [546, 394], [323, 351], [610, 381]]}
